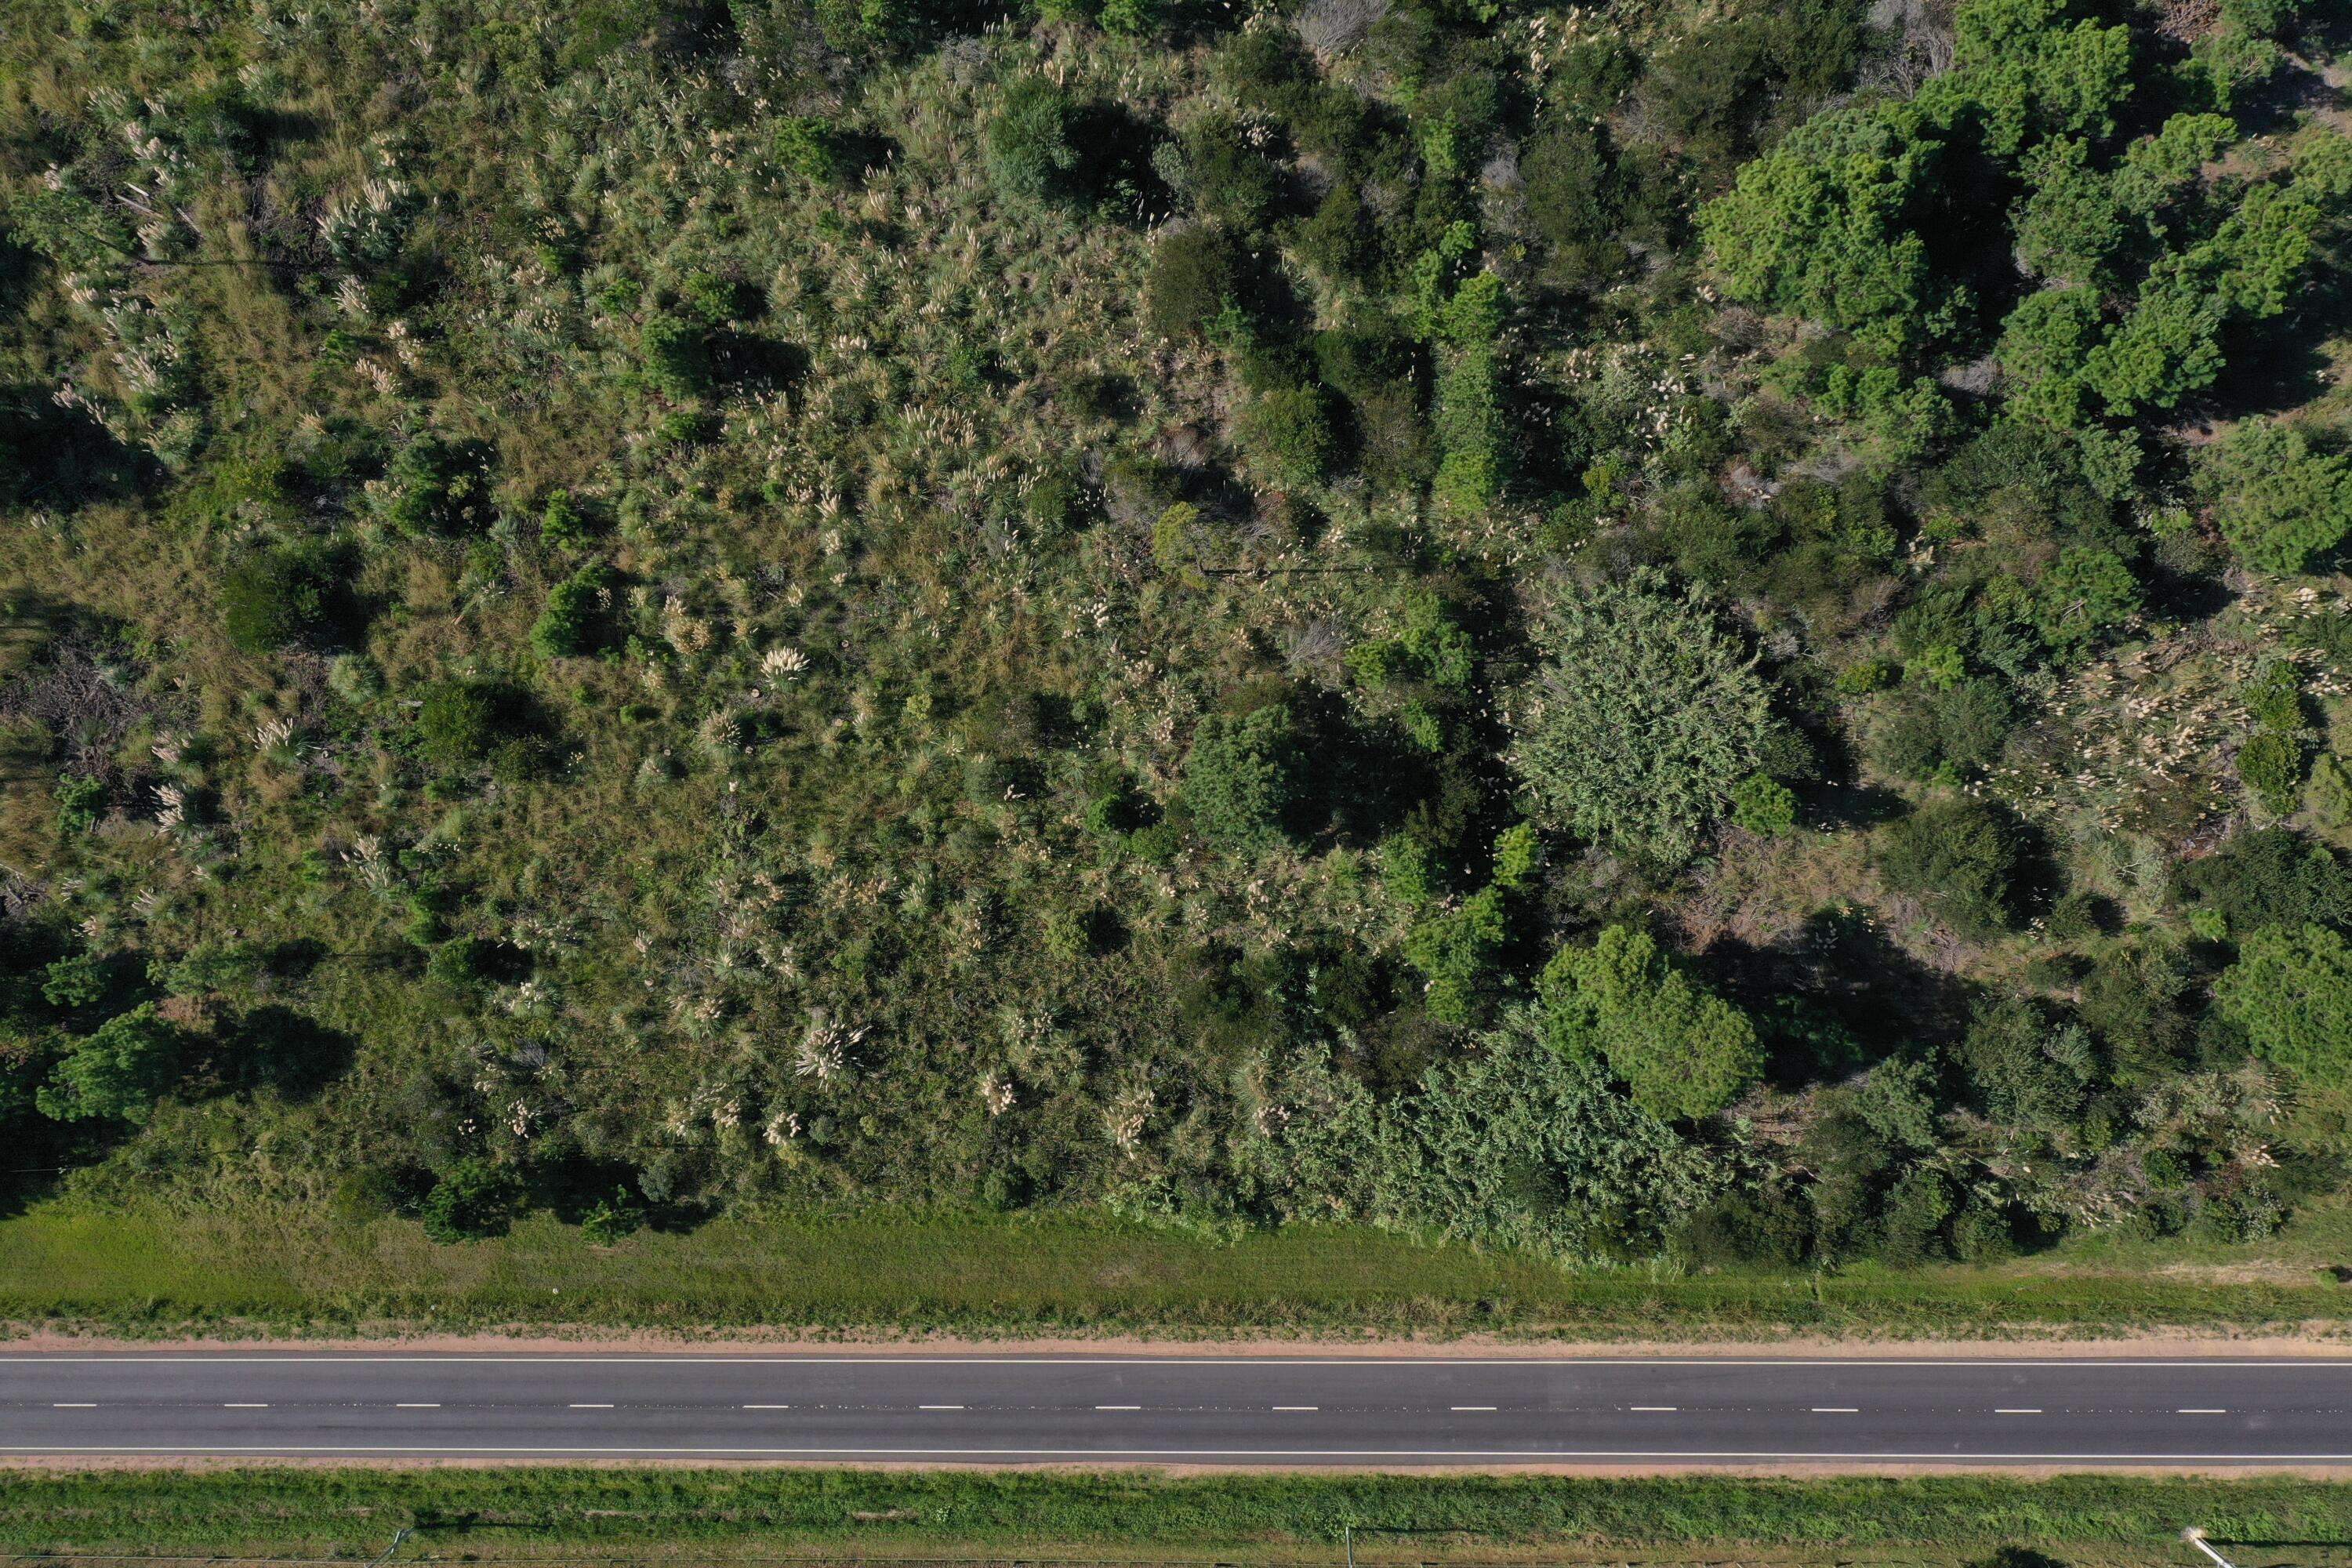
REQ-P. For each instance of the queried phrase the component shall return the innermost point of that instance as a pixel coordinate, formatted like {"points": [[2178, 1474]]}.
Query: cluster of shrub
{"points": [[2013, 272]]}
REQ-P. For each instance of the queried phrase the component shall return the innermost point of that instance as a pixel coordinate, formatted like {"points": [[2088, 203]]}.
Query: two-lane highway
{"points": [[1197, 1409]]}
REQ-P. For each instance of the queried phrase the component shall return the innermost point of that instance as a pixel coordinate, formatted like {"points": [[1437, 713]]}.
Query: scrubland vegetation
{"points": [[1703, 638]]}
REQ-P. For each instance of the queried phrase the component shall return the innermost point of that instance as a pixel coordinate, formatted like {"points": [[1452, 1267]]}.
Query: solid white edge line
{"points": [[1796, 1456]]}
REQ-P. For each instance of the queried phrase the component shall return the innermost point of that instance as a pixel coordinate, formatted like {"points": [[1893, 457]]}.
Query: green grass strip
{"points": [[518, 1513]]}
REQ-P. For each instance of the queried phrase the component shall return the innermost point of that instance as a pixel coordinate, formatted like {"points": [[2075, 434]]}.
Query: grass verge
{"points": [[721, 1515], [292, 1270]]}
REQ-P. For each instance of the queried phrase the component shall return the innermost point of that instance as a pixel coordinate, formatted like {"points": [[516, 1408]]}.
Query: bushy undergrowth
{"points": [[1710, 637]]}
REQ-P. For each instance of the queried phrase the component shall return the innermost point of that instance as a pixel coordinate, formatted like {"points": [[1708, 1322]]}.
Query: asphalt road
{"points": [[1252, 1410]]}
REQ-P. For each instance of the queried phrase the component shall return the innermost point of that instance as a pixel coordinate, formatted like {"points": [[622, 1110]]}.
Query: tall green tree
{"points": [[1646, 711], [2291, 991], [1826, 225], [116, 1072], [2279, 502], [1243, 779]]}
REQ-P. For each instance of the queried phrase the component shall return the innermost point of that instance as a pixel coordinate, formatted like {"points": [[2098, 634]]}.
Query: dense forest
{"points": [[1652, 630]]}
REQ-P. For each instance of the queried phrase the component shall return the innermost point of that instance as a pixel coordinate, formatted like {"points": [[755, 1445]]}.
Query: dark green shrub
{"points": [[1773, 1225], [461, 722], [116, 1072], [1232, 181], [610, 1218], [1262, 66], [676, 354], [1195, 278], [2077, 915], [1030, 144], [1114, 807], [1100, 394], [2291, 991], [2031, 1072], [1243, 779], [806, 144], [1917, 1208], [1156, 844], [437, 487], [1680, 1049], [74, 981], [1339, 238], [1068, 934], [2275, 697], [2271, 763], [81, 800], [1983, 1233], [462, 961], [1457, 951], [715, 298], [1947, 734], [1960, 858], [1130, 18], [563, 522], [575, 619], [685, 427], [1763, 805], [1570, 170], [288, 596], [1365, 360], [472, 1200], [1287, 433], [2272, 876], [1055, 505]]}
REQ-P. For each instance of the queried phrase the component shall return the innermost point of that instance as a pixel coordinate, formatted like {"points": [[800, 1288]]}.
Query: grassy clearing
{"points": [[290, 1270], [511, 1515]]}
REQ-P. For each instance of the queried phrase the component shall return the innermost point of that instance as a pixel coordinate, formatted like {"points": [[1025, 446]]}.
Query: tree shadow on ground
{"points": [[1841, 970]]}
